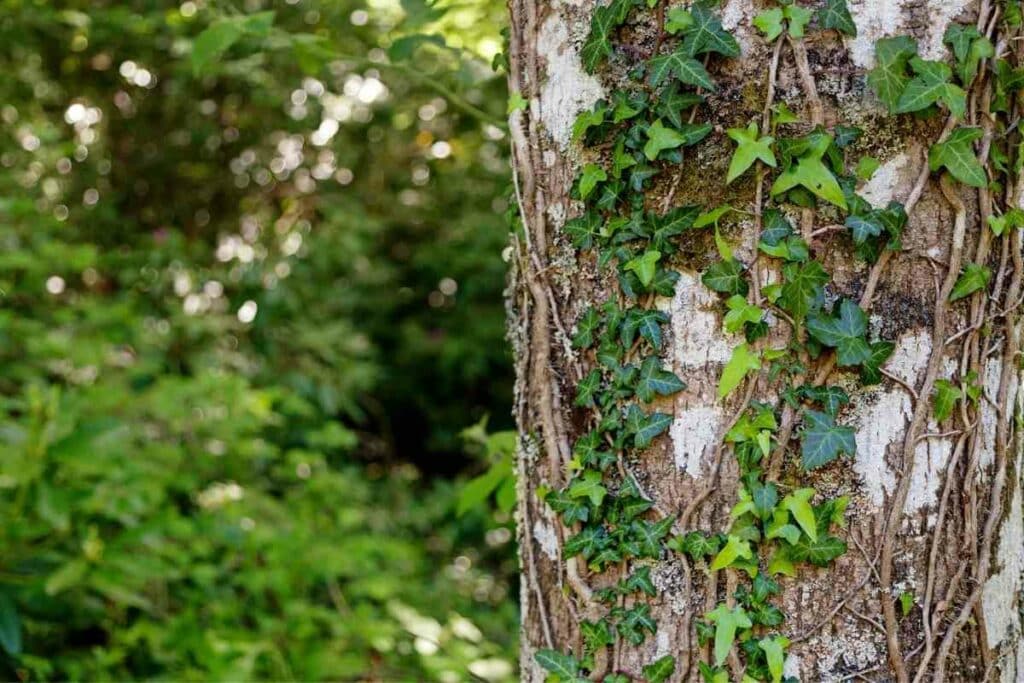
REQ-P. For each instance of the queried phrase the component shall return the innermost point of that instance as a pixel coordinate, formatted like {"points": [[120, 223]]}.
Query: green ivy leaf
{"points": [[870, 370], [645, 427], [798, 504], [660, 670], [598, 45], [866, 167], [660, 138], [673, 103], [591, 176], [572, 510], [831, 398], [583, 230], [822, 440], [725, 277], [956, 153], [681, 66], [564, 666], [648, 535], [640, 582], [588, 324], [930, 85], [764, 497], [644, 266], [820, 552], [803, 288], [844, 333], [740, 313], [749, 148], [811, 173], [597, 634], [769, 22], [655, 381], [889, 77], [864, 227], [588, 119], [735, 548], [678, 20], [944, 399], [969, 48], [972, 278], [516, 102], [10, 626], [743, 360], [696, 545], [836, 15], [774, 648], [727, 621], [587, 389], [589, 487], [707, 35], [798, 18]]}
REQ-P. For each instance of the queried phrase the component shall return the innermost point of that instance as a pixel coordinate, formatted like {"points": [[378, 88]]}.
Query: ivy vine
{"points": [[777, 524]]}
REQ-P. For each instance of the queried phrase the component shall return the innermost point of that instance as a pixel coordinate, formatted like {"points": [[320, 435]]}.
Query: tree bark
{"points": [[935, 509]]}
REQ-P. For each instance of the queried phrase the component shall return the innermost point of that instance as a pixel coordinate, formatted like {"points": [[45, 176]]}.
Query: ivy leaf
{"points": [[776, 227], [798, 504], [735, 548], [640, 581], [889, 77], [740, 313], [782, 114], [582, 230], [627, 105], [648, 535], [822, 440], [945, 397], [727, 621], [969, 48], [774, 649], [820, 552], [597, 634], [587, 542], [870, 369], [591, 176], [673, 102], [660, 670], [635, 621], [956, 153], [683, 67], [644, 266], [749, 148], [931, 85], [588, 324], [836, 15], [845, 334], [707, 35], [696, 545], [598, 45], [645, 427], [564, 666], [769, 22], [589, 487], [516, 102], [812, 174], [798, 18], [764, 497], [743, 360], [655, 381], [678, 20], [588, 119], [832, 398], [660, 138], [725, 277], [803, 288], [571, 509], [973, 278], [587, 388], [780, 527]]}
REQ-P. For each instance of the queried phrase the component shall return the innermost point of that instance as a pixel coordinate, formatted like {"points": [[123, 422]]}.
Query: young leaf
{"points": [[591, 176], [798, 18], [823, 440], [945, 397], [930, 85], [660, 670], [820, 552], [798, 504], [774, 649], [749, 148], [803, 288], [660, 138], [678, 20], [707, 35], [740, 313], [735, 549], [812, 174], [836, 15], [727, 622], [866, 167], [644, 266], [972, 278], [587, 119], [589, 487], [956, 153], [743, 360], [769, 22], [889, 77]]}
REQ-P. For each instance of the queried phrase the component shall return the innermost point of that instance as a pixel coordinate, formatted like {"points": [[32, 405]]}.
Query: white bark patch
{"points": [[696, 329], [881, 188], [999, 597], [693, 432], [547, 539], [989, 414], [910, 357], [940, 14], [874, 19], [844, 653], [881, 417], [736, 17], [568, 89], [930, 458]]}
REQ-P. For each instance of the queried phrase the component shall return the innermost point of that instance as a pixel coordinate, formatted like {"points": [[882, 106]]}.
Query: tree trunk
{"points": [[930, 585]]}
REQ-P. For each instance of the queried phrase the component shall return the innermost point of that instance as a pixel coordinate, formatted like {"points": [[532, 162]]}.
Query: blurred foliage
{"points": [[248, 301]]}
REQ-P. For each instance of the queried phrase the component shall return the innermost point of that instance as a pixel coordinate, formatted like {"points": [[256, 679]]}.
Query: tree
{"points": [[765, 314]]}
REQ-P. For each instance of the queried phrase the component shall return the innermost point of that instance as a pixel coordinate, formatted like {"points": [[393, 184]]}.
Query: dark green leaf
{"points": [[822, 440]]}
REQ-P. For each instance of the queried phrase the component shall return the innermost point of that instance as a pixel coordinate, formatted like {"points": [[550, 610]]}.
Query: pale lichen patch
{"points": [[547, 539], [881, 188], [881, 418], [694, 431], [697, 335], [1002, 617], [874, 19], [567, 89]]}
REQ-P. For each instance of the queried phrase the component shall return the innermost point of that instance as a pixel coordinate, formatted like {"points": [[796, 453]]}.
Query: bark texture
{"points": [[934, 513]]}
